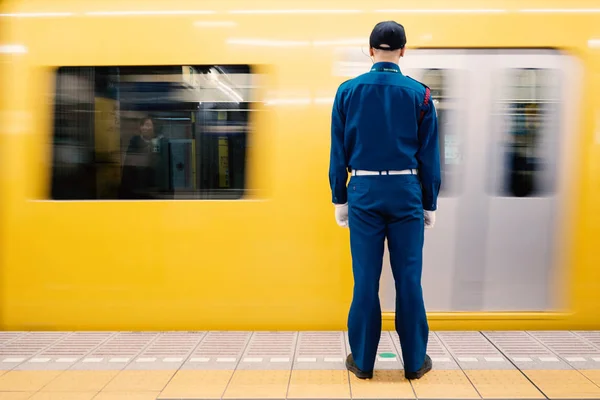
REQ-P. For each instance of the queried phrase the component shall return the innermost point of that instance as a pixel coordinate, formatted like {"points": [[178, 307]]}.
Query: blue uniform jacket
{"points": [[375, 127]]}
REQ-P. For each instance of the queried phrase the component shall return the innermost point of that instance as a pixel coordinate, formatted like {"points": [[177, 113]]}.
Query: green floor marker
{"points": [[387, 355]]}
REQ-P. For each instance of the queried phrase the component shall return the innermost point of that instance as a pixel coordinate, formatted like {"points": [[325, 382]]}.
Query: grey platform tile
{"points": [[269, 351], [396, 342], [592, 337], [7, 337], [472, 350], [573, 349], [218, 351], [440, 356], [26, 346], [385, 350], [321, 351], [116, 352], [389, 355], [169, 351], [525, 351], [63, 354]]}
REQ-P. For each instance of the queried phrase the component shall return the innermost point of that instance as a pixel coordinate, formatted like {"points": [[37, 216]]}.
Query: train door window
{"points": [[530, 114], [163, 132], [449, 139]]}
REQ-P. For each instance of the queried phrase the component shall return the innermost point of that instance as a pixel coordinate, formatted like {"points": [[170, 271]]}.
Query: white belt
{"points": [[403, 172]]}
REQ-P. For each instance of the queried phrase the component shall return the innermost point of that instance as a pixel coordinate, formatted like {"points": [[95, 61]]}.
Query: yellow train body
{"points": [[274, 259]]}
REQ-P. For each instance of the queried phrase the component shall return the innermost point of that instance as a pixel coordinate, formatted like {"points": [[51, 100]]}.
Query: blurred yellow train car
{"points": [[163, 164]]}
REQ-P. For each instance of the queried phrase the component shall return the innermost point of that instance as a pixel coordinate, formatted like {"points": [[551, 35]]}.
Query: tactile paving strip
{"points": [[168, 351], [473, 351], [525, 351], [503, 384], [573, 349], [117, 351], [66, 352], [320, 350], [319, 384], [26, 346], [246, 384], [269, 351], [565, 384], [218, 351], [439, 384]]}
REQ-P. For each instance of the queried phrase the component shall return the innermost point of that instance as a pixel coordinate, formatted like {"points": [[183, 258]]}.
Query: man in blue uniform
{"points": [[384, 132]]}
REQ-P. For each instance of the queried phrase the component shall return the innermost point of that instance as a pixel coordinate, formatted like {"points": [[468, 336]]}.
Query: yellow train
{"points": [[163, 164]]}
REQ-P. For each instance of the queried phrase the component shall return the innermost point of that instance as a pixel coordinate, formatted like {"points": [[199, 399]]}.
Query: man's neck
{"points": [[380, 60]]}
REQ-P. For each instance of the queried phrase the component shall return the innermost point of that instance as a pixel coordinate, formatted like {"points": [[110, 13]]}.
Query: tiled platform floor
{"points": [[292, 365]]}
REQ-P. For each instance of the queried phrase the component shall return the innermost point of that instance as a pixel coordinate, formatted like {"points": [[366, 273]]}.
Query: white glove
{"points": [[429, 219], [341, 214]]}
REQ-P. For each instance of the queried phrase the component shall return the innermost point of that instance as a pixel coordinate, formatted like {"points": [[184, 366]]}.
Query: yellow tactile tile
{"points": [[197, 384], [126, 396], [386, 384], [80, 381], [26, 381], [15, 395], [444, 385], [500, 384], [593, 375], [63, 396], [319, 385], [567, 384], [258, 385], [139, 381]]}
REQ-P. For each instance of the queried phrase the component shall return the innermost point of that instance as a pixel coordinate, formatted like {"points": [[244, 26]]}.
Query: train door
{"points": [[501, 118], [525, 136], [503, 126], [445, 75]]}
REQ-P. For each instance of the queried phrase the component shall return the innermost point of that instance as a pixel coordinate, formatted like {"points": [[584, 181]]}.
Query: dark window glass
{"points": [[530, 142], [166, 132]]}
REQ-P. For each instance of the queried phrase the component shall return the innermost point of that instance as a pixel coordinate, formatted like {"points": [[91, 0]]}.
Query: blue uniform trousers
{"points": [[386, 206]]}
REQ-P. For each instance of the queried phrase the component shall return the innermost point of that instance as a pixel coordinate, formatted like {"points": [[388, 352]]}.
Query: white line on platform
{"points": [[93, 360], [146, 360], [494, 359], [118, 360], [65, 360]]}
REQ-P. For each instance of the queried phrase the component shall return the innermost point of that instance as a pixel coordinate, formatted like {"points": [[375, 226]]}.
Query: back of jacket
{"points": [[375, 127]]}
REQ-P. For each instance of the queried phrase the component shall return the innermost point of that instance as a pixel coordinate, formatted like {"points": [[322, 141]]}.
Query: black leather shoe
{"points": [[427, 365], [351, 365]]}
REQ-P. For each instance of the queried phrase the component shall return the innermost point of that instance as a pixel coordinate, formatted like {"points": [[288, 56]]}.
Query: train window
{"points": [[162, 132], [531, 131], [450, 148]]}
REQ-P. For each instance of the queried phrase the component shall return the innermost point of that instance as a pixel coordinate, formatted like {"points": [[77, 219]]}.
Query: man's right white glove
{"points": [[429, 219], [341, 214]]}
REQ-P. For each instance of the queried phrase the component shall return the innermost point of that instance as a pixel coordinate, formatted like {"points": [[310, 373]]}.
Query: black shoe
{"points": [[351, 365], [427, 365]]}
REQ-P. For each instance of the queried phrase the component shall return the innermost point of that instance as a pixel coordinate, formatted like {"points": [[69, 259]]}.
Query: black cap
{"points": [[388, 35]]}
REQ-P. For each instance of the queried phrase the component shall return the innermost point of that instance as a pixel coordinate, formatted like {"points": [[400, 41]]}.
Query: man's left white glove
{"points": [[341, 214], [429, 219]]}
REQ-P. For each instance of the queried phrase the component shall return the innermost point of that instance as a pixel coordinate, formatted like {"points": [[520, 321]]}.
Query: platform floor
{"points": [[292, 365]]}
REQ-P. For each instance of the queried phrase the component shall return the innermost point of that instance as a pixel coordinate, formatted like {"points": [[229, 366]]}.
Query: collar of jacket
{"points": [[385, 66]]}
